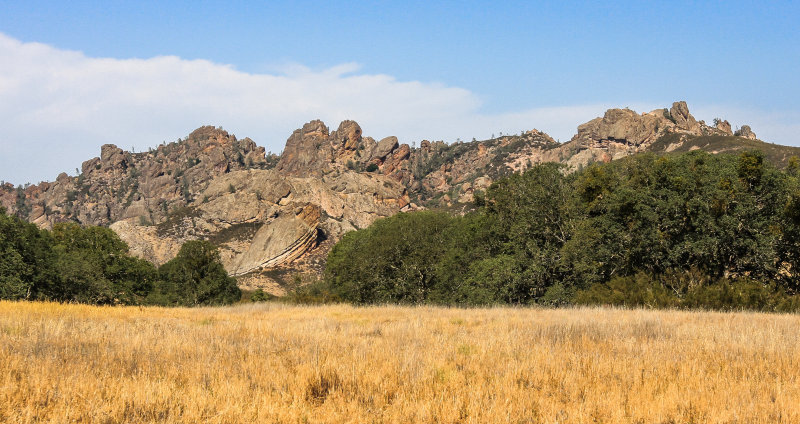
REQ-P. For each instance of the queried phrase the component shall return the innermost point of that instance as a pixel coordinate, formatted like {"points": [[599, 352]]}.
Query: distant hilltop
{"points": [[282, 213]]}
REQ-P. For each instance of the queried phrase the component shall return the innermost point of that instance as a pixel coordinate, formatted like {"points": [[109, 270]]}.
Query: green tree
{"points": [[26, 259], [529, 218], [94, 267], [196, 277], [718, 213], [394, 260]]}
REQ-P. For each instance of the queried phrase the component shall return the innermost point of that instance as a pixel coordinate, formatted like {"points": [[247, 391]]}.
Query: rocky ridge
{"points": [[269, 212]]}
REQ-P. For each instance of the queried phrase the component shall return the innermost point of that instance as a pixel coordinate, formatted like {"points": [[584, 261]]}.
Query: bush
{"points": [[94, 267], [640, 290], [394, 260], [26, 259], [196, 277], [260, 295], [316, 293], [739, 294]]}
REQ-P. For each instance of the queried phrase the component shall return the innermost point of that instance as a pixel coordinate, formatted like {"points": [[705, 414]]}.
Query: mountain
{"points": [[274, 216]]}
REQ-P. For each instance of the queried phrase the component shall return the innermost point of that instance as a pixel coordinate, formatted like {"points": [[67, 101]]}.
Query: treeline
{"points": [[92, 265], [691, 230]]}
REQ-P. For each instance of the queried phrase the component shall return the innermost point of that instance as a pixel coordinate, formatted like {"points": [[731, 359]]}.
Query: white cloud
{"points": [[57, 107]]}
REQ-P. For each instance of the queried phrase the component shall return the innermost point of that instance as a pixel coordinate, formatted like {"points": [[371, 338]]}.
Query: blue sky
{"points": [[76, 75]]}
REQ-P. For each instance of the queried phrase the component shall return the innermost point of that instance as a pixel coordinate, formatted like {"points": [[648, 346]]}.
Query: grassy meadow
{"points": [[295, 364]]}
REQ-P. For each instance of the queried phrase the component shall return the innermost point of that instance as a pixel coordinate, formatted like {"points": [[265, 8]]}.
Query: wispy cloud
{"points": [[57, 106]]}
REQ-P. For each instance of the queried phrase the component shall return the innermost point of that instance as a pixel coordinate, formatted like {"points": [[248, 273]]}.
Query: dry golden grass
{"points": [[277, 363]]}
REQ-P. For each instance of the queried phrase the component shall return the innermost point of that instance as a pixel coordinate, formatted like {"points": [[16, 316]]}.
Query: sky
{"points": [[76, 75]]}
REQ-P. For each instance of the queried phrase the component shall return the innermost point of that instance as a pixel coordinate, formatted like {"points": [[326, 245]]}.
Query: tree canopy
{"points": [[682, 227], [79, 264]]}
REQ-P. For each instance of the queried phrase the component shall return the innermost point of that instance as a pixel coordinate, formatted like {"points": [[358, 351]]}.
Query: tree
{"points": [[196, 277], [394, 260], [529, 218], [94, 267], [26, 259]]}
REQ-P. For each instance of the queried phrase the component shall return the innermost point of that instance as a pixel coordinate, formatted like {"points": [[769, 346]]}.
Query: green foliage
{"points": [[684, 230], [26, 259], [394, 260], [196, 277], [717, 213], [259, 295], [643, 290], [91, 265], [22, 205], [316, 293], [94, 267], [639, 290]]}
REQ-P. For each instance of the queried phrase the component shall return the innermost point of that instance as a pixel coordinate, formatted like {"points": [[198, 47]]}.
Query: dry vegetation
{"points": [[277, 363]]}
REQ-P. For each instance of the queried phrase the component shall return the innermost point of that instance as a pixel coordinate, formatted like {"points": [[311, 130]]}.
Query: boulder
{"points": [[385, 147], [723, 126], [746, 132], [683, 119], [348, 136], [307, 150]]}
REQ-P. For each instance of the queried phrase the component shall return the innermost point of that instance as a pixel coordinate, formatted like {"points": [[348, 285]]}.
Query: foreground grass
{"points": [[277, 363]]}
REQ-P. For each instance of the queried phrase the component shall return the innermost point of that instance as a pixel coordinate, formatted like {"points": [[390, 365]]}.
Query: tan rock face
{"points": [[120, 185], [620, 125], [347, 137], [746, 132], [724, 127], [145, 242], [683, 119], [623, 132], [262, 219], [282, 240], [386, 146], [307, 150]]}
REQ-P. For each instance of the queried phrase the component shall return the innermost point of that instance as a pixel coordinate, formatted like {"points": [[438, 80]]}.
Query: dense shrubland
{"points": [[91, 265], [690, 230]]}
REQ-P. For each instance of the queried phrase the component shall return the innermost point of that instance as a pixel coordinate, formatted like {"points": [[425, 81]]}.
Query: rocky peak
{"points": [[683, 119], [110, 154], [307, 150], [620, 126], [723, 126], [385, 146], [119, 184], [347, 137], [746, 132], [312, 151]]}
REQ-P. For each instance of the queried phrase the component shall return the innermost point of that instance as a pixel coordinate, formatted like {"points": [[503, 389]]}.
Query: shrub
{"points": [[640, 290], [260, 295], [196, 277]]}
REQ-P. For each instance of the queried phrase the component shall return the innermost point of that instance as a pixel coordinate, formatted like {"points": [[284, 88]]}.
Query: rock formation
{"points": [[746, 132], [284, 213]]}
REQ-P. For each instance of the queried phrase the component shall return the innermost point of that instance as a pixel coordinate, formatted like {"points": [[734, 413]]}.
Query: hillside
{"points": [[275, 216]]}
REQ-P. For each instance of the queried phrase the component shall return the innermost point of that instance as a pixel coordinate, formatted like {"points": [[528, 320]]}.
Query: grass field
{"points": [[277, 363]]}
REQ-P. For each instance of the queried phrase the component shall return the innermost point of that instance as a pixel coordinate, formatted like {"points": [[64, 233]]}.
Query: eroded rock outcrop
{"points": [[723, 126], [746, 132], [284, 213], [262, 219], [120, 185], [623, 132]]}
